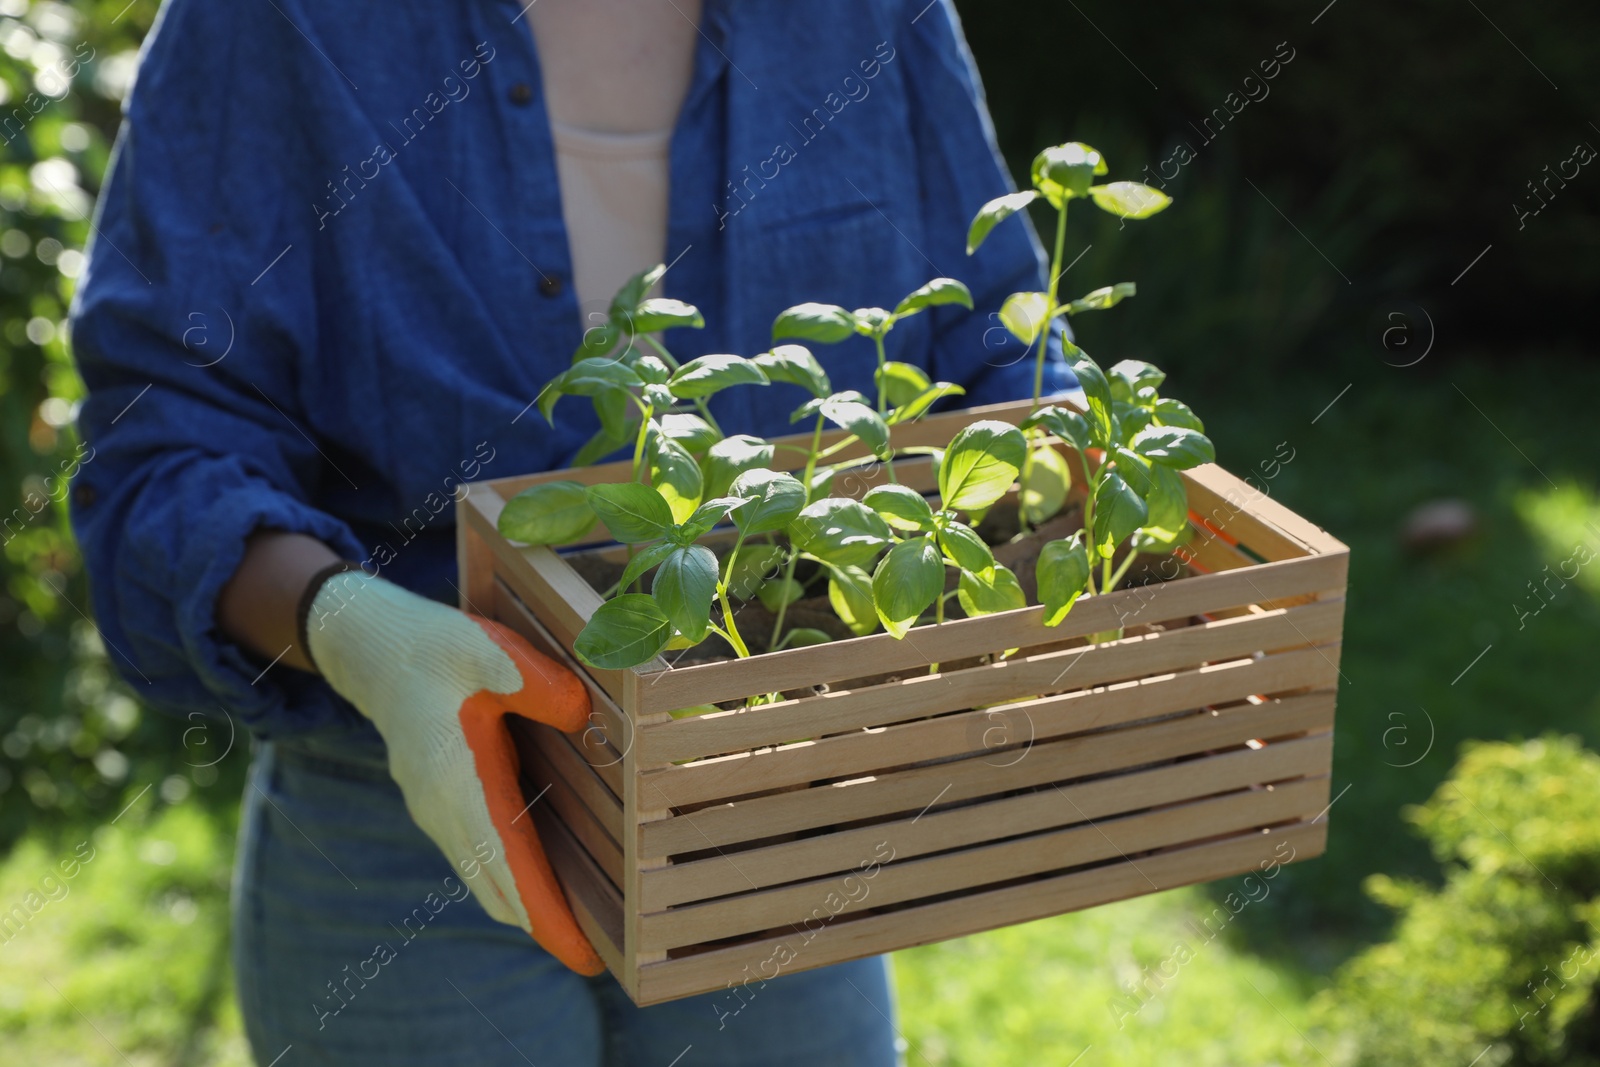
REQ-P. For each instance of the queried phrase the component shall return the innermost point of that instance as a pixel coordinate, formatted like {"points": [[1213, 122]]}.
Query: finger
{"points": [[550, 693], [551, 918]]}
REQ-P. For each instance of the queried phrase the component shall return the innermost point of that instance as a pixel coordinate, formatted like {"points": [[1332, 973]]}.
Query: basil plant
{"points": [[886, 559]]}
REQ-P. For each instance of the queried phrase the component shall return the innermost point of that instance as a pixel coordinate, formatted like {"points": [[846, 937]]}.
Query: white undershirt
{"points": [[615, 75]]}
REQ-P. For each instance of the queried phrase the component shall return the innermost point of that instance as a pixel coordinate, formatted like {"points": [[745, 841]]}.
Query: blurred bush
{"points": [[1397, 140], [1498, 965], [71, 739]]}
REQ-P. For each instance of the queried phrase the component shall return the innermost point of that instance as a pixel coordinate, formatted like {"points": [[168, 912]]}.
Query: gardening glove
{"points": [[436, 682]]}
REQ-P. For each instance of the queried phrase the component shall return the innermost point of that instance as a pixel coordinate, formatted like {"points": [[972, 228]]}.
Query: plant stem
{"points": [[783, 608], [732, 628], [938, 617], [794, 556], [1122, 570], [883, 397], [1050, 304], [661, 350]]}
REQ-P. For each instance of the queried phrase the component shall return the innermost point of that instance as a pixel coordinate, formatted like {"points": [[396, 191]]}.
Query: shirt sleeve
{"points": [[190, 328], [962, 169]]}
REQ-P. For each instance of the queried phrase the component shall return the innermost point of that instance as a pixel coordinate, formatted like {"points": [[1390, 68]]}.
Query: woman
{"points": [[341, 249]]}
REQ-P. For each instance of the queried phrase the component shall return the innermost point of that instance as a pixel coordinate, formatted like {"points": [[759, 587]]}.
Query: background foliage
{"points": [[1323, 240]]}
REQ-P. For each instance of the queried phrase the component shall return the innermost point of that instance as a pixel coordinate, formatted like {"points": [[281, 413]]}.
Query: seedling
{"points": [[886, 557]]}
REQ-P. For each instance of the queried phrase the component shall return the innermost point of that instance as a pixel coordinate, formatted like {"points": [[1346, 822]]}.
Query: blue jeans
{"points": [[356, 944]]}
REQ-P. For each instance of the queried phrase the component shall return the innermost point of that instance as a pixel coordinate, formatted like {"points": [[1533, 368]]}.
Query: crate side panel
{"points": [[912, 789], [835, 942], [961, 825], [899, 881]]}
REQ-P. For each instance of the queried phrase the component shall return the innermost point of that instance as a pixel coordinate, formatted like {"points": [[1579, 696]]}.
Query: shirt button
{"points": [[521, 94], [550, 285]]}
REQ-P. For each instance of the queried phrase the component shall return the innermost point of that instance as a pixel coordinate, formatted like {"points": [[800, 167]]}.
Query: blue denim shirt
{"points": [[330, 276]]}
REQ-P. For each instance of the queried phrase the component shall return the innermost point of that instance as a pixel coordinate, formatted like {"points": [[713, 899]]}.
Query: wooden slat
{"points": [[841, 940], [474, 560], [556, 748], [902, 880], [594, 901], [610, 731], [916, 788], [984, 730], [547, 786], [1018, 677], [713, 683], [971, 824]]}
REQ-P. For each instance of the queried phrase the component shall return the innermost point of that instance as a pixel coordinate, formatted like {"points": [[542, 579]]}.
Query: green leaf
{"points": [[597, 341], [643, 561], [1069, 426], [659, 397], [779, 592], [706, 516], [980, 464], [588, 377], [995, 211], [1176, 413], [872, 320], [732, 456], [796, 365], [685, 585], [1023, 315], [702, 377], [1065, 171], [1136, 374], [624, 632], [773, 500], [1134, 468], [989, 592], [804, 637], [1118, 511], [660, 313], [1129, 200], [962, 544], [906, 583], [691, 431], [901, 507], [916, 406], [900, 382], [1044, 483], [756, 564], [633, 291], [861, 420], [935, 293], [824, 323], [1131, 418], [1174, 446], [549, 514], [1062, 573], [603, 443], [1167, 503], [850, 594], [651, 370], [632, 512], [675, 475], [840, 531], [1096, 391], [1100, 299]]}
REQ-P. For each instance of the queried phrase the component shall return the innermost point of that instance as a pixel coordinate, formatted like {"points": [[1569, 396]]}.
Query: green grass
{"points": [[138, 945]]}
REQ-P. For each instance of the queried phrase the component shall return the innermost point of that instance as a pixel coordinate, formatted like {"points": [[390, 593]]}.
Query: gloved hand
{"points": [[436, 682]]}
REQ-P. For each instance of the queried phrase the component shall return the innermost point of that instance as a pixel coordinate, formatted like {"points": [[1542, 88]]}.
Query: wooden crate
{"points": [[716, 852]]}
